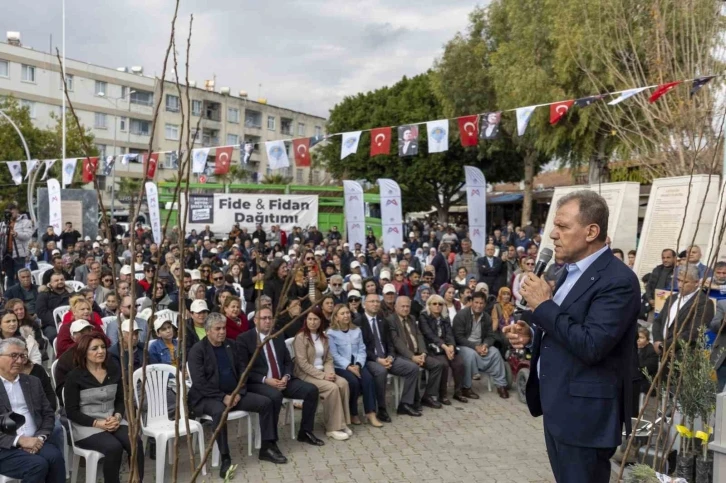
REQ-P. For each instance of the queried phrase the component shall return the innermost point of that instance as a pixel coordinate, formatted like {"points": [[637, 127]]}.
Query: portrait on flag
{"points": [[408, 140], [247, 149], [489, 125]]}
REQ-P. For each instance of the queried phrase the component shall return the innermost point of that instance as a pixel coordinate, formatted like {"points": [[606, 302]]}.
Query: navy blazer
{"points": [[204, 372], [247, 343], [587, 356]]}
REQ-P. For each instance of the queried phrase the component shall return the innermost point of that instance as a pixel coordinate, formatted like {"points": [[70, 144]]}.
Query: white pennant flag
{"points": [[349, 144], [199, 160], [54, 205], [626, 94], [30, 166], [152, 201], [523, 115], [277, 155], [438, 134], [127, 158], [16, 171], [69, 167], [48, 164]]}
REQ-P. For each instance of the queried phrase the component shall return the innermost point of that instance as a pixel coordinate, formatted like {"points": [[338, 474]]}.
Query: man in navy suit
{"points": [[583, 341]]}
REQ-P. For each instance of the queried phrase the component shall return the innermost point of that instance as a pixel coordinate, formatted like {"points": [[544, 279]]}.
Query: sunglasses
{"points": [[336, 284], [217, 279], [436, 303], [309, 259], [353, 299], [530, 264]]}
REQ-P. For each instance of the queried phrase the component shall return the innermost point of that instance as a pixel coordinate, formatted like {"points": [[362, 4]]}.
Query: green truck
{"points": [[330, 201]]}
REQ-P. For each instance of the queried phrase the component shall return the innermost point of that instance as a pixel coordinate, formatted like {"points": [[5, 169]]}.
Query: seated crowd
{"points": [[347, 319]]}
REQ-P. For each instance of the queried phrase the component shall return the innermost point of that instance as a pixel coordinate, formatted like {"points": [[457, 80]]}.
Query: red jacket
{"points": [[234, 329], [65, 341]]}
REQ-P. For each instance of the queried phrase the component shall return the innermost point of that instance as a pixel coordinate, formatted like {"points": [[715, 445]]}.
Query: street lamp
{"points": [[115, 100]]}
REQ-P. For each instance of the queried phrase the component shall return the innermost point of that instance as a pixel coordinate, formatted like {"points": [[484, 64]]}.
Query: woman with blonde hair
{"points": [[81, 309], [314, 364], [503, 311]]}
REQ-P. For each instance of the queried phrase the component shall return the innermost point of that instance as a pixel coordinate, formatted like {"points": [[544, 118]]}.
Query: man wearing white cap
{"points": [[365, 270], [124, 315], [195, 330], [130, 340], [355, 283], [389, 300], [384, 265], [65, 361]]}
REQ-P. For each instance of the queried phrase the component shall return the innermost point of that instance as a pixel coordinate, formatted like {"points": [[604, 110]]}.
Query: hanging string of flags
{"points": [[472, 129]]}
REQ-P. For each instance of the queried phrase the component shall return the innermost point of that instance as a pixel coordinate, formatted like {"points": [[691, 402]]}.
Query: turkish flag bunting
{"points": [[151, 165], [301, 147], [380, 141], [469, 130], [222, 158], [558, 110], [89, 169], [662, 89]]}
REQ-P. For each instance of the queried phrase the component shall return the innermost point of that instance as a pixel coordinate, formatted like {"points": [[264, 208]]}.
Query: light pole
{"points": [[115, 100], [31, 209]]}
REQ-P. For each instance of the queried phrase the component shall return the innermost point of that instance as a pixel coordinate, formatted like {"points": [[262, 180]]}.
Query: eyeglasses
{"points": [[217, 279], [309, 259], [436, 303], [15, 356], [399, 275], [205, 270], [530, 264], [353, 299]]}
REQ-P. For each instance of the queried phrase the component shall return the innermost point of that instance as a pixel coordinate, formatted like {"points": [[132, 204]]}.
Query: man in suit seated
{"points": [[271, 375], [409, 344], [28, 456], [474, 336], [380, 360], [215, 371], [676, 320]]}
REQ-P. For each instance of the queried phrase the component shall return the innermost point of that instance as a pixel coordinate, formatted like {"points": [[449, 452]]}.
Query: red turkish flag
{"points": [[89, 169], [558, 110], [222, 158], [301, 147], [469, 130], [380, 141], [151, 163], [661, 90]]}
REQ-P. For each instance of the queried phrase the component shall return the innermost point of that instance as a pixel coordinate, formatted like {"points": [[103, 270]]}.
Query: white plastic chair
{"points": [[167, 315], [140, 303], [43, 265], [65, 440], [157, 424], [37, 275], [59, 313], [75, 285], [139, 276], [92, 458], [225, 261], [107, 320]]}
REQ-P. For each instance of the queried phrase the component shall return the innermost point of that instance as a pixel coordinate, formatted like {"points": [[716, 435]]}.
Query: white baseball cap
{"points": [[407, 251], [79, 325], [88, 238], [354, 264], [159, 322], [256, 240], [213, 250], [346, 244], [353, 293], [196, 275], [385, 274], [96, 245], [206, 238], [126, 324], [126, 270], [105, 241], [199, 306], [388, 288], [99, 238], [392, 251], [357, 281]]}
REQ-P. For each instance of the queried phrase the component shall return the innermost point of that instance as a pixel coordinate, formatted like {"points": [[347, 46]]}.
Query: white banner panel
{"points": [[391, 214], [69, 168], [355, 216], [55, 219], [152, 201], [476, 201], [220, 211]]}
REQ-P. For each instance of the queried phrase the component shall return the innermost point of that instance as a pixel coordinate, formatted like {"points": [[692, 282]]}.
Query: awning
{"points": [[504, 198]]}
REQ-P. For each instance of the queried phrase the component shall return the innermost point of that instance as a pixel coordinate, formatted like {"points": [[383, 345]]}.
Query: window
{"points": [[28, 73], [301, 129], [143, 98], [172, 103], [122, 123], [316, 178], [232, 140], [233, 115], [286, 126], [270, 123], [101, 88], [124, 92], [196, 108], [140, 128], [196, 136], [99, 121], [172, 132], [253, 118], [299, 175], [318, 131], [69, 82], [4, 68], [30, 105], [101, 150], [171, 160]]}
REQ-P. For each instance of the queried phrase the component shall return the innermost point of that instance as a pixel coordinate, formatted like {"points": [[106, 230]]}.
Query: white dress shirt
{"points": [[18, 405], [677, 304]]}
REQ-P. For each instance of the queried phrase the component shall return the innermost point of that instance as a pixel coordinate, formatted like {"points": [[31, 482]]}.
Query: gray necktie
{"points": [[379, 346]]}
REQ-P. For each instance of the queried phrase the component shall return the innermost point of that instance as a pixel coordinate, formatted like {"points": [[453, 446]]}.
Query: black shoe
{"points": [[408, 410], [460, 397], [383, 416], [468, 393], [429, 402], [445, 400], [272, 455], [224, 466], [417, 407], [309, 438]]}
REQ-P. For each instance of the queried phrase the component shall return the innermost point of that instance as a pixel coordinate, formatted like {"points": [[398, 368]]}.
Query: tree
{"points": [[275, 179], [426, 180]]}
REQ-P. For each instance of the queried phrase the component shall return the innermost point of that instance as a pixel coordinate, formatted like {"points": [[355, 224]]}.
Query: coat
{"points": [[247, 343], [401, 339], [305, 358], [689, 321], [369, 339], [347, 347], [718, 351], [46, 303], [38, 406], [462, 328], [204, 373], [429, 327], [492, 275], [581, 370]]}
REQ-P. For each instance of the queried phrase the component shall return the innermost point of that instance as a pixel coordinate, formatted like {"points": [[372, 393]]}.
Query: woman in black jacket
{"points": [[647, 359], [439, 337], [275, 281]]}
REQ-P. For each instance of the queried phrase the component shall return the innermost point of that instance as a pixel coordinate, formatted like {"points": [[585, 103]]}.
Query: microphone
{"points": [[545, 255]]}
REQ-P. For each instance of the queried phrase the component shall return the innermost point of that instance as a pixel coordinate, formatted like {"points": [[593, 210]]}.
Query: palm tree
{"points": [[130, 187], [275, 179]]}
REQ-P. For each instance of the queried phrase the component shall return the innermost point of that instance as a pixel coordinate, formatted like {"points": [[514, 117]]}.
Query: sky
{"points": [[306, 54]]}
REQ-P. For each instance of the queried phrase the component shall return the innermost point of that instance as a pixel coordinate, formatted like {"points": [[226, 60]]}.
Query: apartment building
{"points": [[117, 106]]}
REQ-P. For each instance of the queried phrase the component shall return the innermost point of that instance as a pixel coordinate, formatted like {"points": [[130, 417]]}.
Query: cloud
{"points": [[306, 54]]}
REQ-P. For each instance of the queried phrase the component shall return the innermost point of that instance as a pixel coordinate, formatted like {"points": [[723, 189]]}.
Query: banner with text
{"points": [[152, 200], [55, 218], [355, 215], [391, 214], [476, 201], [221, 211]]}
